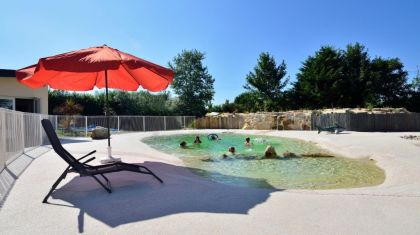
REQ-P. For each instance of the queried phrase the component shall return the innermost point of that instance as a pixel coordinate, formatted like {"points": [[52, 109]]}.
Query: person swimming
{"points": [[183, 144], [197, 140], [248, 142]]}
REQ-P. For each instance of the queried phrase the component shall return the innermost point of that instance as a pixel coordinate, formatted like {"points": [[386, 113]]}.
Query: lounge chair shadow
{"points": [[139, 197]]}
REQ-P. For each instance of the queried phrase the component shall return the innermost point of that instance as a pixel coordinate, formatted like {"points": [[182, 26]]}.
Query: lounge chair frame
{"points": [[82, 168]]}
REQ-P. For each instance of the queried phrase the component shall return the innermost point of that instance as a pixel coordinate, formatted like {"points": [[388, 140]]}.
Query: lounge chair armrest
{"points": [[90, 159], [94, 151]]}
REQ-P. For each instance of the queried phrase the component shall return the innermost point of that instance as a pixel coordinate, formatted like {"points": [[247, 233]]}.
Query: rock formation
{"points": [[270, 152], [99, 133]]}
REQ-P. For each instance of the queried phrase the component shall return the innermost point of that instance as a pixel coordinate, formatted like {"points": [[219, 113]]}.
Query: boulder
{"points": [[259, 121], [287, 124], [270, 152], [99, 133]]}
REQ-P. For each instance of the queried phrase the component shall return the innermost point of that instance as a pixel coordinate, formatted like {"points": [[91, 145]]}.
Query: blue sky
{"points": [[231, 33]]}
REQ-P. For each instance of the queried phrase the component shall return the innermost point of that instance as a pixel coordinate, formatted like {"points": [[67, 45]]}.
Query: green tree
{"points": [[248, 102], [215, 108], [388, 85], [229, 107], [70, 107], [268, 81], [121, 102], [413, 103], [349, 78], [319, 81], [192, 83], [55, 99], [415, 85], [356, 76]]}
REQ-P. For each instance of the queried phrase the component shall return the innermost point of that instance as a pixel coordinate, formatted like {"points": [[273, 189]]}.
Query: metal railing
{"points": [[19, 132], [84, 125]]}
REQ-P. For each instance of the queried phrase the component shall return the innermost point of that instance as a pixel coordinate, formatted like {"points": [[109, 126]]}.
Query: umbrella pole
{"points": [[109, 158], [107, 108]]}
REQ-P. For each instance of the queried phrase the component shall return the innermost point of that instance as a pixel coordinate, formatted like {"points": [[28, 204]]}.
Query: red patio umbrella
{"points": [[101, 67]]}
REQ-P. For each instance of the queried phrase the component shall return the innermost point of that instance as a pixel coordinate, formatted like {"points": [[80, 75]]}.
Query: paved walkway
{"points": [[189, 204]]}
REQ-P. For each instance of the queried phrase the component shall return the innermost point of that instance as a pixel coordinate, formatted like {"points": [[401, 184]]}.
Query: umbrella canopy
{"points": [[84, 69], [101, 67]]}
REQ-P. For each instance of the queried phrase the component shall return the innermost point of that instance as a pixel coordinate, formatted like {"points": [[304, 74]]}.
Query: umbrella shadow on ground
{"points": [[137, 197]]}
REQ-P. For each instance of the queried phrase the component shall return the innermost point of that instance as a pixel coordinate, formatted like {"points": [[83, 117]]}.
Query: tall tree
{"points": [[356, 76], [415, 85], [319, 81], [349, 78], [413, 103], [248, 102], [268, 81], [389, 85], [192, 82]]}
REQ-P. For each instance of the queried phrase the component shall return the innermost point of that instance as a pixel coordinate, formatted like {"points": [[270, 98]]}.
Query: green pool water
{"points": [[248, 167]]}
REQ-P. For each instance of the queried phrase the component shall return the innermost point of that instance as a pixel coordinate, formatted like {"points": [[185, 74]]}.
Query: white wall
{"points": [[10, 87]]}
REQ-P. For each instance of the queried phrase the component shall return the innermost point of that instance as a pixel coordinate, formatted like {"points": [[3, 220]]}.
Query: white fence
{"points": [[20, 132], [83, 125]]}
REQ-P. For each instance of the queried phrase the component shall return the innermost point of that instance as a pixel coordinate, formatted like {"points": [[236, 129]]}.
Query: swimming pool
{"points": [[248, 167]]}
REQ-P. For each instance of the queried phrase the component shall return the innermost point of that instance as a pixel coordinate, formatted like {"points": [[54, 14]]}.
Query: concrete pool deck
{"points": [[190, 204]]}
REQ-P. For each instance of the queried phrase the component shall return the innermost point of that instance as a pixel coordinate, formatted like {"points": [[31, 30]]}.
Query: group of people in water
{"points": [[183, 144], [270, 151]]}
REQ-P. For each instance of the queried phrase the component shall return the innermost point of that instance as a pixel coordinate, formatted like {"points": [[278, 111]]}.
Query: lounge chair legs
{"points": [[138, 169], [108, 183], [62, 176], [107, 188], [150, 173]]}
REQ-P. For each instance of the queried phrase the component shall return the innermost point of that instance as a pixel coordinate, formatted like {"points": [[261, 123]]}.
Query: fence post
{"points": [[164, 123], [56, 122], [86, 128], [118, 123], [40, 129], [22, 131], [2, 139], [185, 124], [144, 124]]}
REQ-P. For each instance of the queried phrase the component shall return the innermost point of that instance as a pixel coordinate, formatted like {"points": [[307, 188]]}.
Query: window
{"points": [[7, 103], [28, 105]]}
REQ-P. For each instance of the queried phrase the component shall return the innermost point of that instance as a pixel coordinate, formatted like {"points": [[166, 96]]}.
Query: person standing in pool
{"points": [[248, 142], [197, 140], [231, 150]]}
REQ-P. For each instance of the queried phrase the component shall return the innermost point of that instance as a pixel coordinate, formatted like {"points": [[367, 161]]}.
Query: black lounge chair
{"points": [[82, 168]]}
